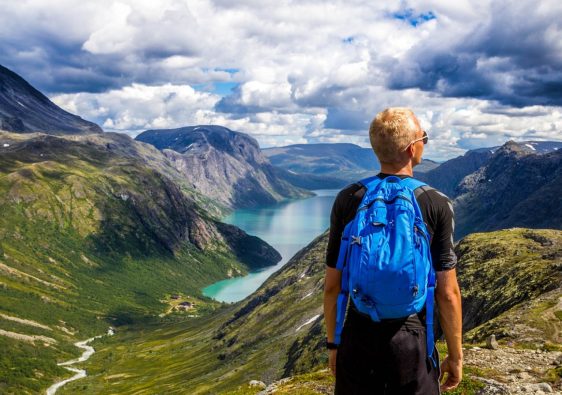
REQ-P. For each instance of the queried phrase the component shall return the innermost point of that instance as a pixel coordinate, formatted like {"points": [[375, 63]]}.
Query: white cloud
{"points": [[306, 71]]}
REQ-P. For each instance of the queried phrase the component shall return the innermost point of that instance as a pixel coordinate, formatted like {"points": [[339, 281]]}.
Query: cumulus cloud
{"points": [[138, 107], [513, 56], [288, 72]]}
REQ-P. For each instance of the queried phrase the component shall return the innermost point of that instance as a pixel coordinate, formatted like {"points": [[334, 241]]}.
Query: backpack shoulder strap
{"points": [[370, 183], [412, 183]]}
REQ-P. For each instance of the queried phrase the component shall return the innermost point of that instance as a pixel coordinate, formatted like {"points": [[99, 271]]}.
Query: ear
{"points": [[411, 150]]}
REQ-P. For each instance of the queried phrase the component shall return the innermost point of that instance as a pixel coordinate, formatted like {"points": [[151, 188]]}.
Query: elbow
{"points": [[332, 289], [448, 296]]}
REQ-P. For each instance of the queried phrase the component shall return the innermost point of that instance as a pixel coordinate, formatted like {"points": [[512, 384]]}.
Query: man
{"points": [[390, 357]]}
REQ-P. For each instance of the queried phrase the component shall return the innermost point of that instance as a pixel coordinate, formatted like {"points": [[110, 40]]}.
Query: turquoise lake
{"points": [[287, 227]]}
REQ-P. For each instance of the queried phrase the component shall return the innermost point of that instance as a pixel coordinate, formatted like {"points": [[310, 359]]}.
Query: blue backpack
{"points": [[385, 258]]}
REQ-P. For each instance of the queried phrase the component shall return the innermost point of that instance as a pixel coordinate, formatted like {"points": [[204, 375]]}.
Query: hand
{"points": [[332, 360], [453, 368]]}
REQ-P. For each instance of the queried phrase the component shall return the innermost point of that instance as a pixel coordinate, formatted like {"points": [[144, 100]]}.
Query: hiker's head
{"points": [[396, 137]]}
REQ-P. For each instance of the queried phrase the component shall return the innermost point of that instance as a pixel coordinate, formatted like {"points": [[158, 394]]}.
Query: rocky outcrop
{"points": [[223, 165], [23, 109]]}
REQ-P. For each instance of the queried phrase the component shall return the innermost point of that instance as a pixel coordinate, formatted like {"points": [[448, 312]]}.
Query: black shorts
{"points": [[384, 358]]}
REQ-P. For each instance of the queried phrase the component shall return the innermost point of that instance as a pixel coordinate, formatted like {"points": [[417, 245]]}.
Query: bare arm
{"points": [[332, 284], [448, 296]]}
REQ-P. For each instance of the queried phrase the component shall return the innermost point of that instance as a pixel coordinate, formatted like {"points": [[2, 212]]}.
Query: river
{"points": [[287, 227], [79, 373]]}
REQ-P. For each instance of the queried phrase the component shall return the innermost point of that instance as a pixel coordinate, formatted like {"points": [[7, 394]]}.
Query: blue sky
{"points": [[476, 73]]}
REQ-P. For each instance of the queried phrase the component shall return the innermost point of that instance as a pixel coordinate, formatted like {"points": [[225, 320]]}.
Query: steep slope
{"points": [[447, 176], [91, 235], [278, 331], [522, 265], [514, 188], [223, 165], [24, 109]]}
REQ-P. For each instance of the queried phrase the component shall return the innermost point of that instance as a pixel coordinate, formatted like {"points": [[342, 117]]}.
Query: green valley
{"points": [[94, 233], [278, 331]]}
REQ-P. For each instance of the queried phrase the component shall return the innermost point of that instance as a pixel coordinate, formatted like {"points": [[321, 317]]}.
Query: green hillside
{"points": [[94, 233], [278, 331]]}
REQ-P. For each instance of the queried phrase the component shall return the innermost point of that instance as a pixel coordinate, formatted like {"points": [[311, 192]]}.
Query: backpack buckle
{"points": [[356, 240]]}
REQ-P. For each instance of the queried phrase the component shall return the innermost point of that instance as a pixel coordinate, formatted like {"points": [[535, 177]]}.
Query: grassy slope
{"points": [[258, 338], [89, 238]]}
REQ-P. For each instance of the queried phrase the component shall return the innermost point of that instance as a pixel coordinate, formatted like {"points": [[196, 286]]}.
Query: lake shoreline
{"points": [[287, 226]]}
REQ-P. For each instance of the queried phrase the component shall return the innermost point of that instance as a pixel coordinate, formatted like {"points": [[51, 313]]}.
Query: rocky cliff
{"points": [[224, 165], [24, 109]]}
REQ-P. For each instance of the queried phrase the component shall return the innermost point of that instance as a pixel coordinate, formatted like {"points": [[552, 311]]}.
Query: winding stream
{"points": [[80, 373]]}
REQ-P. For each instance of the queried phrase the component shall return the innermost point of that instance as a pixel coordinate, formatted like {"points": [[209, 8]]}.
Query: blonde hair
{"points": [[390, 133]]}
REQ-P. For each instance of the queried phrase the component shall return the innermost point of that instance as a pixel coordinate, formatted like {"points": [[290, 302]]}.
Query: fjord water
{"points": [[287, 226]]}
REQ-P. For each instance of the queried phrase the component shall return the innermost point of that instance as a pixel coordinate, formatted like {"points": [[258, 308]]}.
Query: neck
{"points": [[392, 168]]}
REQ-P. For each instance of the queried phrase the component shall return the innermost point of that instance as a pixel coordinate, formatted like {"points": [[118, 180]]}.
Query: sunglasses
{"points": [[424, 138]]}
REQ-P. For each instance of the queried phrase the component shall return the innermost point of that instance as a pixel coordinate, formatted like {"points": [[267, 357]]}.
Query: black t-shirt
{"points": [[437, 212]]}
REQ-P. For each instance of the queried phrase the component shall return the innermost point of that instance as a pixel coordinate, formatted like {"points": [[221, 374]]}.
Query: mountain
{"points": [[223, 165], [448, 176], [324, 159], [278, 331], [328, 166], [515, 187], [310, 181], [24, 109], [94, 232]]}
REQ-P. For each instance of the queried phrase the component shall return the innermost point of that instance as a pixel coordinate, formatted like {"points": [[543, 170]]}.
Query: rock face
{"points": [[516, 187], [447, 176], [223, 165], [24, 109]]}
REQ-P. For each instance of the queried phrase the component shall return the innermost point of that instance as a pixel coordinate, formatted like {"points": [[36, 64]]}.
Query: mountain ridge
{"points": [[23, 109], [223, 164]]}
